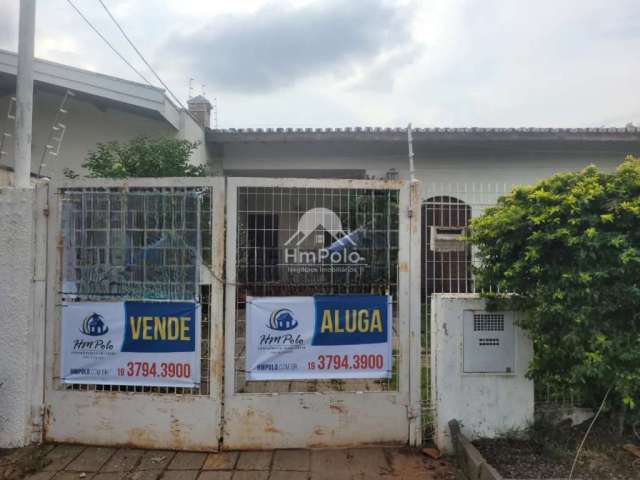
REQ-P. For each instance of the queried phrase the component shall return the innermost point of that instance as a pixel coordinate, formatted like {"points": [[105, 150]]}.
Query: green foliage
{"points": [[567, 250], [143, 157]]}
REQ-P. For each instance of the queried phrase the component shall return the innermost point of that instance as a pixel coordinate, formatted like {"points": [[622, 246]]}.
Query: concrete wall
{"points": [[89, 122], [22, 273], [486, 405], [490, 161]]}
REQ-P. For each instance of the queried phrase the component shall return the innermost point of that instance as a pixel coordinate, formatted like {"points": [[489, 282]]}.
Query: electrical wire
{"points": [[107, 42], [106, 9]]}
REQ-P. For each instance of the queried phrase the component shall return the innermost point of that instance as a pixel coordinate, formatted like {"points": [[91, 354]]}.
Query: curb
{"points": [[473, 464], [471, 461]]}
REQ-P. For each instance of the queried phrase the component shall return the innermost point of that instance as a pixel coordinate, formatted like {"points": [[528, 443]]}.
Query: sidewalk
{"points": [[73, 462]]}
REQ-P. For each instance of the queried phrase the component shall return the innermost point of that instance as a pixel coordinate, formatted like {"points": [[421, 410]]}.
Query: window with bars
{"points": [[447, 265], [138, 244]]}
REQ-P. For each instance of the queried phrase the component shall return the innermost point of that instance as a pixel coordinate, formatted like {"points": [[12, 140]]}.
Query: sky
{"points": [[338, 63]]}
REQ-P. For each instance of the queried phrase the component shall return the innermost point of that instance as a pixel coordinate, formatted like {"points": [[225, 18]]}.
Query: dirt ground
{"points": [[549, 453]]}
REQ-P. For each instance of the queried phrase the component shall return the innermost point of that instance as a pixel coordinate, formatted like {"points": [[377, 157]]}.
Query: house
{"points": [[74, 109], [100, 108], [462, 170], [278, 240]]}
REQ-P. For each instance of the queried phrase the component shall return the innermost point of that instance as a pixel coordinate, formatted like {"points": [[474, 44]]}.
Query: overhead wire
{"points": [[114, 49], [106, 9]]}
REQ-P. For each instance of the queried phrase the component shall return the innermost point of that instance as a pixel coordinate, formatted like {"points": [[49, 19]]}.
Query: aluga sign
{"points": [[326, 336], [320, 243]]}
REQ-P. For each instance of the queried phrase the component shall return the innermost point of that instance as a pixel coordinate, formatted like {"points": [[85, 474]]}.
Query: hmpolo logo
{"points": [[282, 320], [321, 239], [94, 325]]}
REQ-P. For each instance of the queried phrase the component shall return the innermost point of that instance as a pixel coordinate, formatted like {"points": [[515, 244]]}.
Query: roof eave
{"points": [[628, 134], [99, 85]]}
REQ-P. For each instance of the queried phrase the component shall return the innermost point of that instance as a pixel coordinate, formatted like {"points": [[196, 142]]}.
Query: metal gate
{"points": [[112, 240], [262, 215]]}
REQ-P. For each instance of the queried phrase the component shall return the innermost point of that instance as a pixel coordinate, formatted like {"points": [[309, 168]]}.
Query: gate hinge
{"points": [[413, 412]]}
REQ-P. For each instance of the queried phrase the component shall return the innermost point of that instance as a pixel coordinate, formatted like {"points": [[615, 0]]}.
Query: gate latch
{"points": [[413, 411]]}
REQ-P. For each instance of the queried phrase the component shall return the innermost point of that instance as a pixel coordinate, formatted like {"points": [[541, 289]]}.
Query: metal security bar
{"points": [[269, 217], [138, 243], [447, 258]]}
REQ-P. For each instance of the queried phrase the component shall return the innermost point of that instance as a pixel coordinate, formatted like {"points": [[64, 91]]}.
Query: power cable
{"points": [[108, 43], [140, 53]]}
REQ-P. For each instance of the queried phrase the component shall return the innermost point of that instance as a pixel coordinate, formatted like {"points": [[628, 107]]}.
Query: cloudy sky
{"points": [[368, 62]]}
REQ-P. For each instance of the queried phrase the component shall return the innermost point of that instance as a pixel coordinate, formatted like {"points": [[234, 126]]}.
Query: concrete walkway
{"points": [[72, 462]]}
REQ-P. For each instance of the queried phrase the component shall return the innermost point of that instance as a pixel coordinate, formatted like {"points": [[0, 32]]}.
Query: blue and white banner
{"points": [[321, 337], [131, 343]]}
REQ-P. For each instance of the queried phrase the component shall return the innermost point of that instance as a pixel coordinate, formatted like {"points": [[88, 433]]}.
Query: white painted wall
{"points": [[21, 314], [489, 161], [486, 405], [89, 122]]}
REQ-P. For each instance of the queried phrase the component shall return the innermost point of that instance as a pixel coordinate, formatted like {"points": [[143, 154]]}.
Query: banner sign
{"points": [[131, 343], [321, 337]]}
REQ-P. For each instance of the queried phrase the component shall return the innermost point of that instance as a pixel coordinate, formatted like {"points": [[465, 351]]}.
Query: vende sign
{"points": [[131, 343], [321, 337]]}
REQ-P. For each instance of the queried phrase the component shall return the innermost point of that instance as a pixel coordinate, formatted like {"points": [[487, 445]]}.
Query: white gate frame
{"points": [[331, 419], [149, 420]]}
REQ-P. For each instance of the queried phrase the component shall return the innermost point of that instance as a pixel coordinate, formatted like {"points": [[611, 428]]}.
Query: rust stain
{"points": [[403, 267], [269, 424], [338, 409], [177, 440], [271, 429], [139, 437]]}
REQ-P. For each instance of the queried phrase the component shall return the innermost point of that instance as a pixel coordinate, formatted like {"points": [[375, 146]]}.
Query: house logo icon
{"points": [[320, 239], [314, 223], [282, 320], [94, 325]]}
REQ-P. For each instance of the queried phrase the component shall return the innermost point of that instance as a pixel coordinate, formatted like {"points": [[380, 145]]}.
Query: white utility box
{"points": [[488, 342]]}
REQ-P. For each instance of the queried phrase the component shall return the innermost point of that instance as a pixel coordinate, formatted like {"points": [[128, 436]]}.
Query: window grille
{"points": [[267, 217], [138, 244]]}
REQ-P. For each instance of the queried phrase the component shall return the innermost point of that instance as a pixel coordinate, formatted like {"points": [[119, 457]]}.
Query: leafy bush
{"points": [[567, 250], [143, 157]]}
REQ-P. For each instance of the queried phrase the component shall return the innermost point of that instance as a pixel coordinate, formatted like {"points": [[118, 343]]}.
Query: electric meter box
{"points": [[488, 342], [447, 239]]}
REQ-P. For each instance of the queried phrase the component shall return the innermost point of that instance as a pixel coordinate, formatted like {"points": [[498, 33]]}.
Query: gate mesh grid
{"points": [[447, 270], [267, 218], [137, 244]]}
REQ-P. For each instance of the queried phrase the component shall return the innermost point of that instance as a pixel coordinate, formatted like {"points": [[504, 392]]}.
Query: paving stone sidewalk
{"points": [[73, 462]]}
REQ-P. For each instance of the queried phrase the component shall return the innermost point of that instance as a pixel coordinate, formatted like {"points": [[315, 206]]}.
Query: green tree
{"points": [[567, 250], [143, 157]]}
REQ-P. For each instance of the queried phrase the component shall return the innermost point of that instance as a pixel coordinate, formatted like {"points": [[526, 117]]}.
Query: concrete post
{"points": [[22, 268], [24, 93]]}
